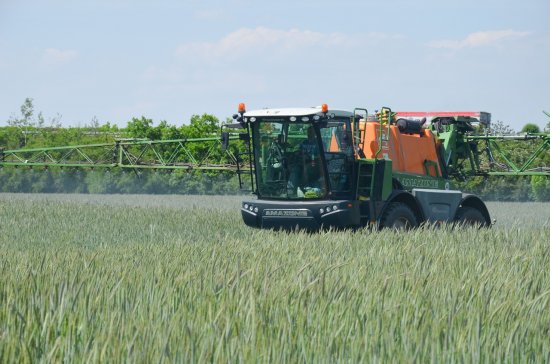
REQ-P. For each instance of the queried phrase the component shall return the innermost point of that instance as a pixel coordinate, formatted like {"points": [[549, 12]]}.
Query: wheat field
{"points": [[102, 278]]}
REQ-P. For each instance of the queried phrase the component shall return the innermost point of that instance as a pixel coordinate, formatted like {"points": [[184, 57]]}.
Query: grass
{"points": [[181, 279]]}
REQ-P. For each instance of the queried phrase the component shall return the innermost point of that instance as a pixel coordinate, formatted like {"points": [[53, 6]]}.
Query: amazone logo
{"points": [[417, 182], [293, 213]]}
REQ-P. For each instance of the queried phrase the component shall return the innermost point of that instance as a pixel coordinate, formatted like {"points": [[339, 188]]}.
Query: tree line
{"points": [[29, 130], [33, 130]]}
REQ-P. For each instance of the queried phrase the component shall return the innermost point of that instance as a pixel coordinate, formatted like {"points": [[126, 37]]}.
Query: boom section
{"points": [[186, 154], [467, 152], [501, 163]]}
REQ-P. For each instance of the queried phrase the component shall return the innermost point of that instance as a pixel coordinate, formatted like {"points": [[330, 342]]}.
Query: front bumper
{"points": [[307, 215]]}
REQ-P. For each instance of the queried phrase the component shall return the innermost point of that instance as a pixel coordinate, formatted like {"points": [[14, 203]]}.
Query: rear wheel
{"points": [[399, 216], [469, 216]]}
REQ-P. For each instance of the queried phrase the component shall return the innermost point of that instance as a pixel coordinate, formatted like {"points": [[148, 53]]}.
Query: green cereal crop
{"points": [[181, 279]]}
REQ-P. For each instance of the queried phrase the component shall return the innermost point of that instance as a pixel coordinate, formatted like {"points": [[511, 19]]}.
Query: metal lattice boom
{"points": [[501, 163], [187, 154]]}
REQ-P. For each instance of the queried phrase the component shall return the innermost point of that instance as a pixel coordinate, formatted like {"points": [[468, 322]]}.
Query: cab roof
{"points": [[304, 111]]}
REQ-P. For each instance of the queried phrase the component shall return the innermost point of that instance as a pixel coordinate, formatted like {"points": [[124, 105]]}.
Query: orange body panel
{"points": [[408, 152], [334, 144]]}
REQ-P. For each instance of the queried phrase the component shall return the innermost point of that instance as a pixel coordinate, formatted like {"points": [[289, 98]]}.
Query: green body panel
{"points": [[387, 186], [374, 179]]}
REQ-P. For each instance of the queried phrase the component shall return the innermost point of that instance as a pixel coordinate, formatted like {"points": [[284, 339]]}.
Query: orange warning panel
{"points": [[410, 153], [334, 147]]}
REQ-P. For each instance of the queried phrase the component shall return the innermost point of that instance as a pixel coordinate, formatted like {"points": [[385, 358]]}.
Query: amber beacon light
{"points": [[242, 108], [324, 108]]}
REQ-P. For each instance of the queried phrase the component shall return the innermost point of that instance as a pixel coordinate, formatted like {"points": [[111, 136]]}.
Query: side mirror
{"points": [[225, 141]]}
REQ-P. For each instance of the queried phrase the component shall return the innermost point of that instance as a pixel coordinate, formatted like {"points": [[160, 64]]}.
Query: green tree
{"points": [[167, 131], [202, 126], [25, 121], [530, 128], [129, 182], [100, 182], [141, 128], [541, 188], [499, 128]]}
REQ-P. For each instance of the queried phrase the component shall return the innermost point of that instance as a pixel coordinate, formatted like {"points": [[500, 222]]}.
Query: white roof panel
{"points": [[304, 111]]}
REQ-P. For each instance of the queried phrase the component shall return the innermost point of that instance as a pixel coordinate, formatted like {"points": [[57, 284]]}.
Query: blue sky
{"points": [[167, 60]]}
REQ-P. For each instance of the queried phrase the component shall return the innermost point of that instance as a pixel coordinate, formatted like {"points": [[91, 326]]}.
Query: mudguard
{"points": [[403, 197], [476, 203]]}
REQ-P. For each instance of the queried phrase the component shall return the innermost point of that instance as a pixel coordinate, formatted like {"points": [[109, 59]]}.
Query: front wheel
{"points": [[469, 216], [398, 216]]}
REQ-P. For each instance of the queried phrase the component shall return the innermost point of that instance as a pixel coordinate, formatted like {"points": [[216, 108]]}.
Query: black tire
{"points": [[469, 216], [398, 216]]}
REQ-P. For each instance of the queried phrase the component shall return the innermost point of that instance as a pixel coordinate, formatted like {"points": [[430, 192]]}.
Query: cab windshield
{"points": [[288, 160], [290, 155]]}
